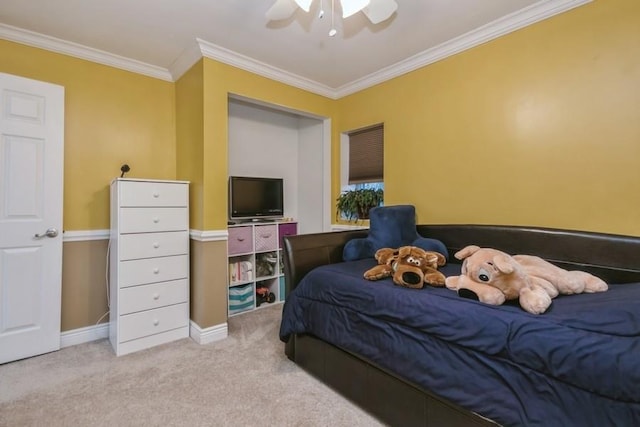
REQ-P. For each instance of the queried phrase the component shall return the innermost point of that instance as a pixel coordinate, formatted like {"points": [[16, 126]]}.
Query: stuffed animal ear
{"points": [[433, 259], [440, 259], [404, 251], [504, 264], [386, 255], [418, 251], [467, 252]]}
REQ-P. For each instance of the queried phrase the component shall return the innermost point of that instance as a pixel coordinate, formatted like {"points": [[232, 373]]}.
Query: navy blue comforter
{"points": [[577, 364]]}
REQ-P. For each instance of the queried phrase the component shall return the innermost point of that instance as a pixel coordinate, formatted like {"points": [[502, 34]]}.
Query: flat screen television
{"points": [[255, 198]]}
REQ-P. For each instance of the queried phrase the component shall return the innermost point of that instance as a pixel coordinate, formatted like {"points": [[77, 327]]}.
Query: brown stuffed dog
{"points": [[409, 266], [493, 277]]}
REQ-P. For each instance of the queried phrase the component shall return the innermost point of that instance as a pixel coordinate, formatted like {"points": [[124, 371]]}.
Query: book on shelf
{"points": [[241, 271]]}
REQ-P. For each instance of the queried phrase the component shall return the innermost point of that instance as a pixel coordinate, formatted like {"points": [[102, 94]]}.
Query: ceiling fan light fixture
{"points": [[375, 10], [350, 7]]}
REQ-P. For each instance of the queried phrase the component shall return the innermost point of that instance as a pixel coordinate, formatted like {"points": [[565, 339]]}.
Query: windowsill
{"points": [[350, 225]]}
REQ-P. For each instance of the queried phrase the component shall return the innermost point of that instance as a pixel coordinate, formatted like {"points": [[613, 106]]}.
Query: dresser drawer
{"points": [[266, 237], [148, 245], [146, 297], [145, 220], [152, 270], [153, 194], [240, 240], [144, 323]]}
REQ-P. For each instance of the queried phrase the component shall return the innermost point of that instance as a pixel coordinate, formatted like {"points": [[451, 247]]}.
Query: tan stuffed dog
{"points": [[493, 277], [409, 266]]}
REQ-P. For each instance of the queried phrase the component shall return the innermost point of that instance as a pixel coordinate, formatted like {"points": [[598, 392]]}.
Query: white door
{"points": [[31, 174]]}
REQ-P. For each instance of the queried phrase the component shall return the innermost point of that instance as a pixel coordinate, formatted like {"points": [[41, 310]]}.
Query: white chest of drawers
{"points": [[148, 263]]}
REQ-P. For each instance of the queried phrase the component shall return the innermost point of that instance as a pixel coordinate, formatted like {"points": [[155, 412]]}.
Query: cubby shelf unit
{"points": [[255, 264]]}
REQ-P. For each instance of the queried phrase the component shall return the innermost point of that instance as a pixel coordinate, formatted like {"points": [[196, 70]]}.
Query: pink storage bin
{"points": [[240, 240], [266, 237]]}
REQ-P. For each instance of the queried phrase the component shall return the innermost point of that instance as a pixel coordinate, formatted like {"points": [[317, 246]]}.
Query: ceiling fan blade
{"points": [[304, 4], [349, 7], [380, 10], [281, 9]]}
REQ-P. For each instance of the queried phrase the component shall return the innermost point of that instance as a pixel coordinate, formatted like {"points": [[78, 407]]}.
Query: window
{"points": [[362, 159], [366, 162]]}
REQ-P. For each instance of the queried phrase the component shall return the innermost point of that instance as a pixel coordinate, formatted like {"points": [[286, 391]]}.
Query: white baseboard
{"points": [[83, 335], [101, 331], [208, 335]]}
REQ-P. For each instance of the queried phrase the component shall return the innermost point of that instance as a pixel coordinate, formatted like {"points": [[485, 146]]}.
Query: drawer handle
{"points": [[156, 219], [156, 270], [240, 239], [156, 322], [156, 194], [156, 245], [265, 236], [156, 296]]}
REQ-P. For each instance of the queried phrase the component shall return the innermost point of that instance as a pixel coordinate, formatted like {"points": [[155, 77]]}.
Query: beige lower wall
{"points": [[209, 283], [84, 283]]}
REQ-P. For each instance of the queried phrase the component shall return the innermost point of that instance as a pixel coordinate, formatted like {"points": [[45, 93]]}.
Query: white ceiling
{"points": [[164, 34]]}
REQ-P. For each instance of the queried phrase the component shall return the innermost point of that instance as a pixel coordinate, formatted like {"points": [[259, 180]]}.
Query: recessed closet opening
{"points": [[266, 140]]}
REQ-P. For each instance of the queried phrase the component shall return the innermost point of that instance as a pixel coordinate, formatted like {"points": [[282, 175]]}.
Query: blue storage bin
{"points": [[241, 298]]}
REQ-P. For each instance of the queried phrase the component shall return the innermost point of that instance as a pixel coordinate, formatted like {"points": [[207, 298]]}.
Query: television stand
{"points": [[252, 221], [254, 252]]}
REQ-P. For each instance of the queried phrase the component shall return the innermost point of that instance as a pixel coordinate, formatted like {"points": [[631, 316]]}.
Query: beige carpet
{"points": [[244, 380]]}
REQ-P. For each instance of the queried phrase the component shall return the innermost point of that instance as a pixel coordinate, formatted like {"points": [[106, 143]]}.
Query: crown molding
{"points": [[76, 50], [185, 61], [500, 27], [219, 53], [537, 12]]}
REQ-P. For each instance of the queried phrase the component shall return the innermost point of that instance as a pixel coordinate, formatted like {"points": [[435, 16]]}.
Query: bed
{"points": [[431, 358]]}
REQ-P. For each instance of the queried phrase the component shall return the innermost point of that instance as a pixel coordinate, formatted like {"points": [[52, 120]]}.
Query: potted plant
{"points": [[355, 204]]}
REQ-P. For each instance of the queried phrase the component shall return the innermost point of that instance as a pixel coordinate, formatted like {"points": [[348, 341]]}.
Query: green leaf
{"points": [[355, 204]]}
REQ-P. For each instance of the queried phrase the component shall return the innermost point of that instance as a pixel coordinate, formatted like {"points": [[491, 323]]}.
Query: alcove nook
{"points": [[273, 141]]}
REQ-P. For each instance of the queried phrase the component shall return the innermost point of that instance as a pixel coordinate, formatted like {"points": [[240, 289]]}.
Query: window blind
{"points": [[366, 160]]}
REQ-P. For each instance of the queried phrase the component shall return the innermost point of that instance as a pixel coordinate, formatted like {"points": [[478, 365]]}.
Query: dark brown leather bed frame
{"points": [[393, 400]]}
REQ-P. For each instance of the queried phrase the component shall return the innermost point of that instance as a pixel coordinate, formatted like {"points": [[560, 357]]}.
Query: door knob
{"points": [[51, 232]]}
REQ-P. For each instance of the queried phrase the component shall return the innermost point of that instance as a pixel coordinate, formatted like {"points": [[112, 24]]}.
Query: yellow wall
{"points": [[189, 136], [202, 96], [112, 117], [540, 127], [220, 81], [202, 129]]}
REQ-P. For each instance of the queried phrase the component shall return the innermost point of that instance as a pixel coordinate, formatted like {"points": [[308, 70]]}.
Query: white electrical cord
{"points": [[106, 280]]}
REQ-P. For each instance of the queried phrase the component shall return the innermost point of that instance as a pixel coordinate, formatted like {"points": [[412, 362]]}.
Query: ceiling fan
{"points": [[376, 10]]}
